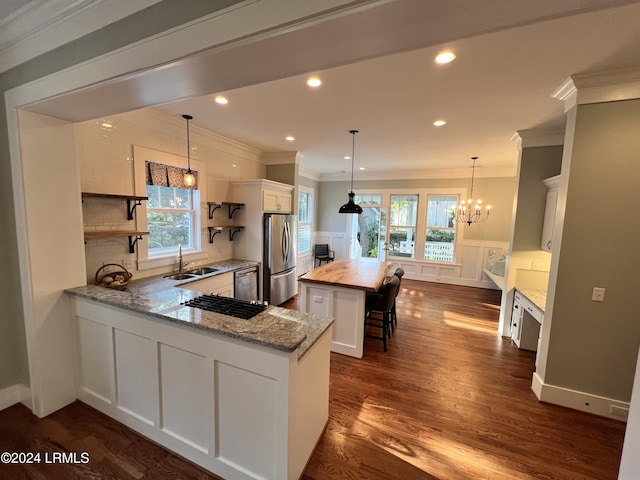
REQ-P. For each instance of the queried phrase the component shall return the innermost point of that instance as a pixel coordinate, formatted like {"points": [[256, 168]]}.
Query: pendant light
{"points": [[189, 177], [469, 212], [350, 206]]}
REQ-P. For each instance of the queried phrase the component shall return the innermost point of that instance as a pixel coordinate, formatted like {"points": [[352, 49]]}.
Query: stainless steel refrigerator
{"points": [[279, 262]]}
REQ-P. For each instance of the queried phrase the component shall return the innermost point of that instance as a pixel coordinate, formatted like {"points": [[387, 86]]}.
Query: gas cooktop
{"points": [[226, 306]]}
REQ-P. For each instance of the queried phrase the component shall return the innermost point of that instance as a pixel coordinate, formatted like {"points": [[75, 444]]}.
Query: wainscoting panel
{"points": [[469, 271]]}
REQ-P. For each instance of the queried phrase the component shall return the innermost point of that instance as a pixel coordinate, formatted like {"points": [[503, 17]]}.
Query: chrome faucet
{"points": [[180, 265]]}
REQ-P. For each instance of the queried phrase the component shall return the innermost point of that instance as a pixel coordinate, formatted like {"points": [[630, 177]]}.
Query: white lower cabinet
{"points": [[516, 319], [526, 320], [239, 410], [221, 284]]}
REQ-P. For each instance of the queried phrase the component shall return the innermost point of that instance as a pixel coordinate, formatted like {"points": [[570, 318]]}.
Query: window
{"points": [[172, 219], [305, 220], [441, 228], [369, 199], [402, 225]]}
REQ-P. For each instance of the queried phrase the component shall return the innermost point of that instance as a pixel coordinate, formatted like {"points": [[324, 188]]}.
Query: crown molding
{"points": [[42, 25], [440, 173], [599, 87], [538, 137], [303, 172]]}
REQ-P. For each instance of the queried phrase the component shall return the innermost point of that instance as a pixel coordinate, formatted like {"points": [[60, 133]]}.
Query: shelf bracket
{"points": [[213, 208], [133, 239], [232, 233], [131, 208], [212, 233], [233, 208]]}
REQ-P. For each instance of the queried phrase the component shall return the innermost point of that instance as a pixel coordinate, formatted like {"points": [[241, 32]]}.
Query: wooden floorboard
{"points": [[450, 399]]}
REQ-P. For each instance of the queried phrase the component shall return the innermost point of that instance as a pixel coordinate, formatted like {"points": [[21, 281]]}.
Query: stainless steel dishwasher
{"points": [[246, 284]]}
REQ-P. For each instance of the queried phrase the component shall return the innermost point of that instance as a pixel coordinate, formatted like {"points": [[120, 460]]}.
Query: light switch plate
{"points": [[598, 294]]}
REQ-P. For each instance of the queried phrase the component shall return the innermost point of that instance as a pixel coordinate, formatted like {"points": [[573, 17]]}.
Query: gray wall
{"points": [[536, 164], [498, 192], [593, 346], [287, 173], [147, 22]]}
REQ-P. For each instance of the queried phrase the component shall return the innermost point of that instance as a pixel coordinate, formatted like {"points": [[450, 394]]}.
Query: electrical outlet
{"points": [[128, 262], [598, 294], [619, 411], [318, 299]]}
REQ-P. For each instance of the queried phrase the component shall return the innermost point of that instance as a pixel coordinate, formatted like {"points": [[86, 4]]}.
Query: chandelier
{"points": [[470, 212]]}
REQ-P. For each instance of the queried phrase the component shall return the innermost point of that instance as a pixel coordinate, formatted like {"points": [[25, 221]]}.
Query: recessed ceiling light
{"points": [[361, 168], [347, 157], [439, 123], [221, 100], [445, 57], [289, 138], [314, 82]]}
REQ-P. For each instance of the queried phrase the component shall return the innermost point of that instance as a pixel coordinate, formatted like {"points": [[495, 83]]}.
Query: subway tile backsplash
{"points": [[105, 157]]}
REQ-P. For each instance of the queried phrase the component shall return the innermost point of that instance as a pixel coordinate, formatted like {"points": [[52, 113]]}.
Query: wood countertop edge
{"points": [[342, 285]]}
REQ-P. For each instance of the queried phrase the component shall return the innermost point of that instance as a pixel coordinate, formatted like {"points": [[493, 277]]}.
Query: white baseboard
{"points": [[577, 400], [14, 394]]}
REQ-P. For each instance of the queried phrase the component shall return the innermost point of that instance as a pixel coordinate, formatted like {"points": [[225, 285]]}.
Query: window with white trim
{"points": [[305, 220], [173, 214], [403, 217], [441, 224], [172, 219]]}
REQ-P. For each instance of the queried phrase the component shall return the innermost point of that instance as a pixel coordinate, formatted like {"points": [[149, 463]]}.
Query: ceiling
{"points": [[379, 77]]}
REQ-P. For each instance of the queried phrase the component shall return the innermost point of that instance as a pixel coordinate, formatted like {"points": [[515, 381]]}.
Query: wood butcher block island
{"points": [[338, 290]]}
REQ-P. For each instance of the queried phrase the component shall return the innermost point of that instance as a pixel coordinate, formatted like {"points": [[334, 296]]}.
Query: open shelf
{"points": [[132, 200], [134, 236], [213, 231], [213, 206]]}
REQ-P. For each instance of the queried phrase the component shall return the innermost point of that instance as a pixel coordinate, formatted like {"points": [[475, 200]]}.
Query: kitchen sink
{"points": [[179, 276], [202, 270]]}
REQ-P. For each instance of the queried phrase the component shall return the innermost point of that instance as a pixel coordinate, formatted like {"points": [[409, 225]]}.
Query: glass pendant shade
{"points": [[189, 178]]}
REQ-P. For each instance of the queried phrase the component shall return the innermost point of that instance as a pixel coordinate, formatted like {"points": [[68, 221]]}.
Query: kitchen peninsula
{"points": [[243, 398], [338, 290]]}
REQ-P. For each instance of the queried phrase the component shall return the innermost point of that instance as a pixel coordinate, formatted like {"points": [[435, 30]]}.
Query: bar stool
{"points": [[379, 308], [398, 273]]}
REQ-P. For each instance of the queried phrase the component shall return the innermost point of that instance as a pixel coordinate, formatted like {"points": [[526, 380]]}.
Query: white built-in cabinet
{"points": [[549, 212], [259, 196], [240, 410], [221, 284], [526, 320], [276, 200]]}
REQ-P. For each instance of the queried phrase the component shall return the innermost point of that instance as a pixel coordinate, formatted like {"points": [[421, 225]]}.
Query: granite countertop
{"points": [[277, 328], [536, 296]]}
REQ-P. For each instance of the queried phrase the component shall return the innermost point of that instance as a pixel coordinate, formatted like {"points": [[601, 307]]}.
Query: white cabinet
{"points": [[221, 284], [237, 409], [276, 201], [516, 319], [526, 320], [259, 196], [549, 212]]}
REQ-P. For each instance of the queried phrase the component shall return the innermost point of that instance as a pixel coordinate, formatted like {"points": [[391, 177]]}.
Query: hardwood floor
{"points": [[449, 400]]}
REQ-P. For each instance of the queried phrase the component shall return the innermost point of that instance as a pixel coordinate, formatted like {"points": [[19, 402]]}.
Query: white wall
{"points": [[53, 216]]}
